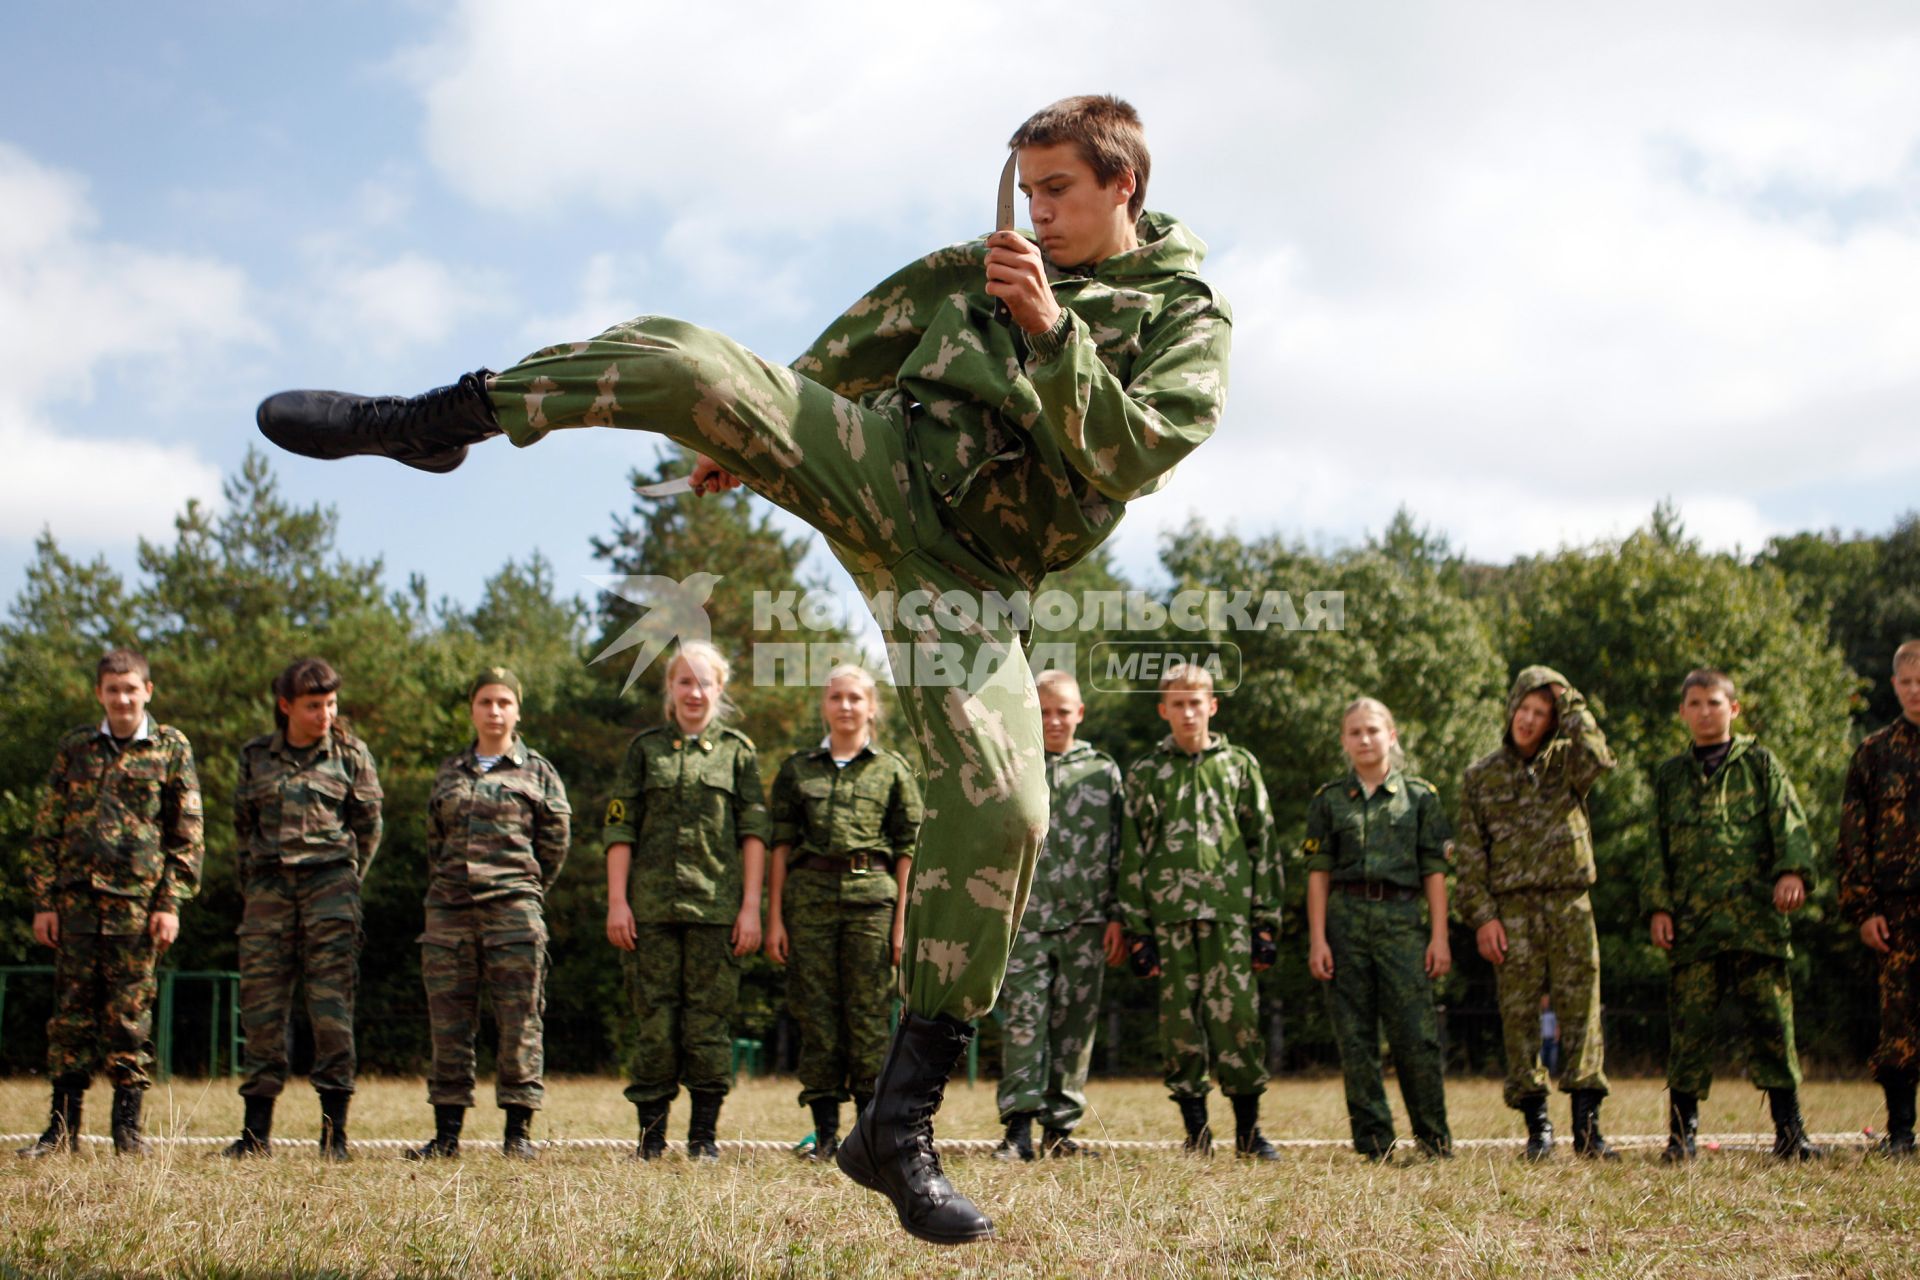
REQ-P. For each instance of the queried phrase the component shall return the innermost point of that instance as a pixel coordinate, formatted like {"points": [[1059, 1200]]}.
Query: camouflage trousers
{"points": [[103, 989], [1759, 988], [1380, 983], [853, 473], [1897, 1056], [1552, 950], [1051, 1004], [300, 924], [683, 984], [502, 948], [840, 985], [1209, 1008]]}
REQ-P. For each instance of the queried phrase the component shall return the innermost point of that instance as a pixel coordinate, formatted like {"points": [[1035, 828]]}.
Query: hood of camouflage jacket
{"points": [[1529, 679], [1167, 246]]}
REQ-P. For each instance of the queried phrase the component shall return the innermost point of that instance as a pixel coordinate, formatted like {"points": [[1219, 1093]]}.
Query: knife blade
{"points": [[1003, 220], [665, 488]]}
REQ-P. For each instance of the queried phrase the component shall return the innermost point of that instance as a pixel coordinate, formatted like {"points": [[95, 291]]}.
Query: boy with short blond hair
{"points": [[1200, 902]]}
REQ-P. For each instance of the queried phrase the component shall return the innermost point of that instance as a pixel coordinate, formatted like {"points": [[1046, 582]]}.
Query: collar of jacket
{"points": [[825, 749], [1215, 742], [1078, 749], [142, 734], [282, 747], [1741, 742], [1167, 246], [516, 752], [1391, 784]]}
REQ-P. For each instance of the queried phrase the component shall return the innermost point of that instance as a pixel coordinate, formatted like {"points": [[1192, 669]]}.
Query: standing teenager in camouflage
{"points": [[1377, 845], [1199, 898], [1879, 858], [306, 813], [1069, 934], [116, 850], [498, 829], [845, 818], [685, 835], [938, 448], [1525, 859], [1732, 859]]}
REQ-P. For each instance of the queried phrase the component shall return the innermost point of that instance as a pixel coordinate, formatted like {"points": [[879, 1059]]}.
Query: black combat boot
{"points": [[1248, 1142], [1193, 1114], [1683, 1128], [63, 1120], [445, 1142], [518, 1140], [333, 1124], [126, 1121], [701, 1125], [1058, 1144], [890, 1147], [429, 431], [1539, 1128], [1897, 1144], [1018, 1142], [1789, 1132], [256, 1131], [653, 1129], [826, 1129], [1587, 1138]]}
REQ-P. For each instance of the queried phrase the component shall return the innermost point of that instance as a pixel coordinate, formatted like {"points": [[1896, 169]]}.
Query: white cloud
{"points": [[404, 302]]}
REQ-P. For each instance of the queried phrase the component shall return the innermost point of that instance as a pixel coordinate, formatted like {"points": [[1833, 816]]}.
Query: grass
{"points": [[1321, 1212]]}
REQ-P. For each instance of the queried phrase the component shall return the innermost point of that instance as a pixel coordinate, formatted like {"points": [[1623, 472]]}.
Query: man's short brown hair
{"points": [[121, 662], [1906, 653], [1709, 678], [1105, 130], [1186, 675]]}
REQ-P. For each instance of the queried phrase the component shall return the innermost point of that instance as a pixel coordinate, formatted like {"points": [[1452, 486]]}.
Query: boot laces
{"points": [[398, 418]]}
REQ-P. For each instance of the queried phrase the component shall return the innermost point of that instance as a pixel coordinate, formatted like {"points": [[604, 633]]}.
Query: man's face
{"points": [[124, 695], [1906, 686], [1188, 712], [1078, 221], [309, 717], [1061, 711], [1708, 715], [495, 712], [1532, 721]]}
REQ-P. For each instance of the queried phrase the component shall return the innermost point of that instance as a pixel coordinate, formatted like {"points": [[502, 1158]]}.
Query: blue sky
{"points": [[1525, 271]]}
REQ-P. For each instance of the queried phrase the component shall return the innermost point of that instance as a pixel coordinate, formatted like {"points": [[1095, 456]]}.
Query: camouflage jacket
{"points": [[498, 835], [119, 832], [1721, 842], [1080, 862], [1038, 443], [1197, 841], [684, 805], [310, 814], [1879, 851], [1398, 835], [1523, 823], [869, 805]]}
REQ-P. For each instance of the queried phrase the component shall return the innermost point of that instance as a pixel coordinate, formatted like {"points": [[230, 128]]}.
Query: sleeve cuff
{"points": [[1046, 346]]}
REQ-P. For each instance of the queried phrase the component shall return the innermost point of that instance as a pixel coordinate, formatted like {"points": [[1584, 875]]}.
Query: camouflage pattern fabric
{"points": [[869, 805], [1079, 867], [1380, 985], [1209, 1008], [1051, 1003], [685, 803], [937, 452], [1552, 950], [118, 835], [306, 807], [1399, 835], [1759, 988], [1879, 871], [497, 835], [840, 978], [1197, 841], [301, 923], [683, 984], [502, 947]]}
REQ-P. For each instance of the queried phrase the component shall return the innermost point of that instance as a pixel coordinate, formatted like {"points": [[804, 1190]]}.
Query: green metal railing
{"points": [[224, 994]]}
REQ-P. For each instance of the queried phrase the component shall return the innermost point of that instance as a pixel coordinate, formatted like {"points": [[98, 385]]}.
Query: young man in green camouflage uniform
{"points": [[1070, 932], [1879, 859], [846, 818], [1524, 853], [306, 814], [498, 829], [1199, 897], [938, 448], [116, 850], [1732, 858]]}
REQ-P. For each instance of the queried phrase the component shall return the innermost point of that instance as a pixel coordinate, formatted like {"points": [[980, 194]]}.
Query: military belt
{"points": [[1376, 890], [855, 864]]}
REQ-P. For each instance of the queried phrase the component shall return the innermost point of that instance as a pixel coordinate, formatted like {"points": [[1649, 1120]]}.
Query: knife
{"points": [[1003, 220], [665, 488]]}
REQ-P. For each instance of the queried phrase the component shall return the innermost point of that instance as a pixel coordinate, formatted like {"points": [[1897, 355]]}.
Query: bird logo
{"points": [[676, 613]]}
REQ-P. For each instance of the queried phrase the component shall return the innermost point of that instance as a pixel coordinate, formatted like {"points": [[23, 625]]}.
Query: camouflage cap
{"points": [[494, 675]]}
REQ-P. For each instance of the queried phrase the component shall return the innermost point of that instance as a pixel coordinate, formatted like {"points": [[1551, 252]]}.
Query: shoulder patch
{"points": [[617, 809]]}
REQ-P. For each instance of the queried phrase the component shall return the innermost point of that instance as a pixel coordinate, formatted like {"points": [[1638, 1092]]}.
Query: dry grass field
{"points": [[1138, 1212]]}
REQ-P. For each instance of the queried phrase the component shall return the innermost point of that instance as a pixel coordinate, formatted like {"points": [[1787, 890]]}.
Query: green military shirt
{"points": [[1721, 843], [1197, 840], [869, 805], [1079, 865], [1879, 851], [1398, 835], [1038, 442], [307, 806], [684, 804], [1523, 823], [119, 832], [497, 835]]}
